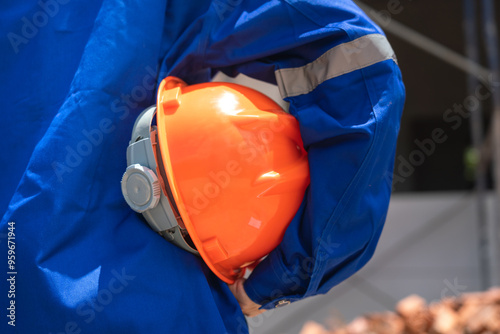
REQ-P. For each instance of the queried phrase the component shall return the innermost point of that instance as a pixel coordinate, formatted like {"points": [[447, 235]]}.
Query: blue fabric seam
{"points": [[350, 191]]}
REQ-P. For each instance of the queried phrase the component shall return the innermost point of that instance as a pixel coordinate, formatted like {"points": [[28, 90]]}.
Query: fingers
{"points": [[248, 306]]}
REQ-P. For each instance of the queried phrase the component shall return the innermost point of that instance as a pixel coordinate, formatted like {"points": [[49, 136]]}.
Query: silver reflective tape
{"points": [[341, 59]]}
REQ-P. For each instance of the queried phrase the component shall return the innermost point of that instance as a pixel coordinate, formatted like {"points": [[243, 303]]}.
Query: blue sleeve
{"points": [[349, 109], [81, 261]]}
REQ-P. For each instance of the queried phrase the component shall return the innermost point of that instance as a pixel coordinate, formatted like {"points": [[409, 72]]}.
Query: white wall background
{"points": [[429, 246]]}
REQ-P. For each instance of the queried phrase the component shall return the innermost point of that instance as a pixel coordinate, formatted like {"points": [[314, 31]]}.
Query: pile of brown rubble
{"points": [[469, 313]]}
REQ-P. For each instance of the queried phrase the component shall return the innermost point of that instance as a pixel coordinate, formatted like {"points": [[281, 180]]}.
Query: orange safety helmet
{"points": [[231, 167]]}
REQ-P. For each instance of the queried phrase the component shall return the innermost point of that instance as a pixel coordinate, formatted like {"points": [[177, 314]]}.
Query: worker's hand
{"points": [[249, 308]]}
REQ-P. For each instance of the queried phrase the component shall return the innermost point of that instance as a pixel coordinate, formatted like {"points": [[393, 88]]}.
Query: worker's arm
{"points": [[340, 75]]}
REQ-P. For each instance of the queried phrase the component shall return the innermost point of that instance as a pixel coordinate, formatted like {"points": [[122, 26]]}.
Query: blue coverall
{"points": [[75, 74]]}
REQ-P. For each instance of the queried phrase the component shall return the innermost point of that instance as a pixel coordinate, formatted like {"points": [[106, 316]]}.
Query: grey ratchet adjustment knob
{"points": [[141, 188]]}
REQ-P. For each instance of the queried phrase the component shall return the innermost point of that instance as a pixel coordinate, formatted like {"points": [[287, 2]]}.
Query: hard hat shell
{"points": [[236, 168]]}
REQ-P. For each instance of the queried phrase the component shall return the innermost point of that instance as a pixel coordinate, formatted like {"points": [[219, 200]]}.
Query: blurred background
{"points": [[441, 235]]}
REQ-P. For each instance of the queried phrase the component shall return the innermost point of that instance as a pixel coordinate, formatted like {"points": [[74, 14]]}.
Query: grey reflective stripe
{"points": [[341, 59]]}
